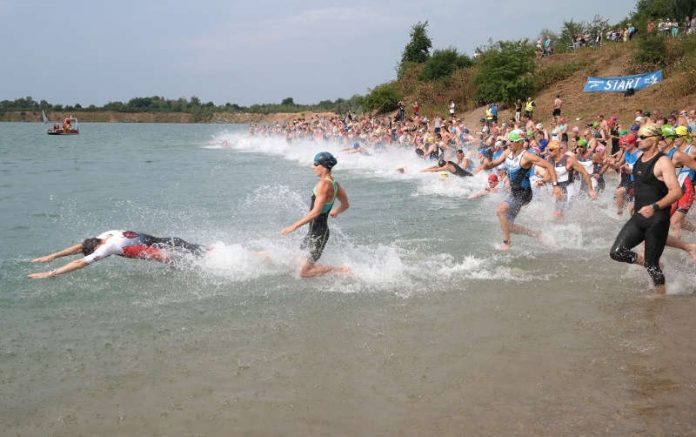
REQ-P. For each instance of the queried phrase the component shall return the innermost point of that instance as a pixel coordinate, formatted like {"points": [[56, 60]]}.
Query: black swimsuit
{"points": [[653, 230]]}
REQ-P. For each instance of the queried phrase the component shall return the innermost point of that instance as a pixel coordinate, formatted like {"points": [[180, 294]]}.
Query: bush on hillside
{"points": [[505, 72], [383, 98], [443, 62], [556, 72], [651, 52]]}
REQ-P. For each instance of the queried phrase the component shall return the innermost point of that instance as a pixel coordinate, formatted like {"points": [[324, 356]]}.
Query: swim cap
{"points": [[576, 129], [682, 131], [595, 125], [356, 145], [582, 142], [650, 130], [630, 139], [492, 178], [623, 132], [600, 149], [553, 145], [530, 133], [441, 163], [325, 159], [539, 126], [515, 136], [668, 131]]}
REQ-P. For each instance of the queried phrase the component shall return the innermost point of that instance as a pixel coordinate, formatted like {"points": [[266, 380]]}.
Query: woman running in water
{"points": [[127, 244], [324, 195]]}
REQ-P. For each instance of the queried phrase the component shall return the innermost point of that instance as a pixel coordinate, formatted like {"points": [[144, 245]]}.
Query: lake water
{"points": [[434, 333]]}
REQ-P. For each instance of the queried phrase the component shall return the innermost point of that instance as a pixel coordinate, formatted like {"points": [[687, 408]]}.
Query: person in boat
{"points": [[128, 244]]}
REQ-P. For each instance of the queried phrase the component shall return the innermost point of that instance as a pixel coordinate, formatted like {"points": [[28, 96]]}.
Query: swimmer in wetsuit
{"points": [[324, 196], [566, 167], [518, 164], [656, 189], [449, 166], [127, 244]]}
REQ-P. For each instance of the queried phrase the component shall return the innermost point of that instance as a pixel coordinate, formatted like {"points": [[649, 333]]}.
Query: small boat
{"points": [[70, 127]]}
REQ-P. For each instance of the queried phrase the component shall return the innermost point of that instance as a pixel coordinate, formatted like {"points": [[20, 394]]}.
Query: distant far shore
{"points": [[154, 117]]}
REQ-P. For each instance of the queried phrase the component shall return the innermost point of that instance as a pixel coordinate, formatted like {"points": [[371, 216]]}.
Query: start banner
{"points": [[622, 83]]}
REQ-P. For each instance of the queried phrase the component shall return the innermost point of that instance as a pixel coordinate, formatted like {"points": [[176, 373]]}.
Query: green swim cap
{"points": [[668, 131], [582, 142], [595, 125], [530, 133], [515, 136], [623, 133]]}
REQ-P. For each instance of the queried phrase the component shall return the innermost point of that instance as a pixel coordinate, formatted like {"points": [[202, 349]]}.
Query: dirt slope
{"points": [[580, 107]]}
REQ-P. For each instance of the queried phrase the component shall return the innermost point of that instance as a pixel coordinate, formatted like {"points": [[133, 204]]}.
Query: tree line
{"points": [[194, 105]]}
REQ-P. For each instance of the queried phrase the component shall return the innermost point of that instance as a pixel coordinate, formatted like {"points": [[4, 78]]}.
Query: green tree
{"points": [[383, 98], [288, 101], [505, 73], [569, 29], [651, 52], [684, 8], [442, 63], [651, 9], [418, 48]]}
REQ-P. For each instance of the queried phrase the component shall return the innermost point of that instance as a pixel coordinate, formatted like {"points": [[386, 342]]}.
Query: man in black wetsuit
{"points": [[656, 188], [449, 166]]}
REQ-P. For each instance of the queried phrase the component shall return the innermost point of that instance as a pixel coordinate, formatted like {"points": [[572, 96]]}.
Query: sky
{"points": [[246, 52]]}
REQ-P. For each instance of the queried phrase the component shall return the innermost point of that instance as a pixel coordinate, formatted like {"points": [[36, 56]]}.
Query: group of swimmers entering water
{"points": [[656, 176]]}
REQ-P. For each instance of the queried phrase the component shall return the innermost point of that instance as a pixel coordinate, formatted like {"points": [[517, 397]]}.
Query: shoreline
{"points": [[154, 117]]}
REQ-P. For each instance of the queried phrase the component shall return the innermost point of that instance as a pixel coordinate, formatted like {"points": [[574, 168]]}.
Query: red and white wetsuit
{"points": [[128, 244]]}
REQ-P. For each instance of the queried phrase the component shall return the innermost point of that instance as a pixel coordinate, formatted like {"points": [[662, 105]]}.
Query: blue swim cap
{"points": [[325, 159], [355, 146]]}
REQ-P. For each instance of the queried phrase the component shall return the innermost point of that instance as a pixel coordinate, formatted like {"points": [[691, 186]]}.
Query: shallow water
{"points": [[435, 332]]}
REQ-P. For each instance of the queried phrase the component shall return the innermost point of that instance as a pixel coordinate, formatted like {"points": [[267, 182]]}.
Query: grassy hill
{"points": [[565, 74]]}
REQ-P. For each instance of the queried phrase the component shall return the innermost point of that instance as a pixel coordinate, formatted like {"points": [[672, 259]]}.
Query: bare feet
{"points": [[504, 246]]}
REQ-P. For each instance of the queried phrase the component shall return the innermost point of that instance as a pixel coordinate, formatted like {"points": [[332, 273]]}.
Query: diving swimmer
{"points": [[128, 244], [324, 196]]}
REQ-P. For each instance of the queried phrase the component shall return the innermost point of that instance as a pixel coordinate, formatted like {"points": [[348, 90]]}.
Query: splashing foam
{"points": [[383, 164]]}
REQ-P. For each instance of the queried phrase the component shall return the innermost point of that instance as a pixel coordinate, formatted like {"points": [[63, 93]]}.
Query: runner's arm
{"points": [[534, 159], [665, 169], [320, 200], [488, 164], [685, 160], [72, 250], [343, 199], [585, 176]]}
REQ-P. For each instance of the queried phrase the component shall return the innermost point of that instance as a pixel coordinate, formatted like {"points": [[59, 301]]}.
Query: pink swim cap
{"points": [[576, 129], [600, 149]]}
